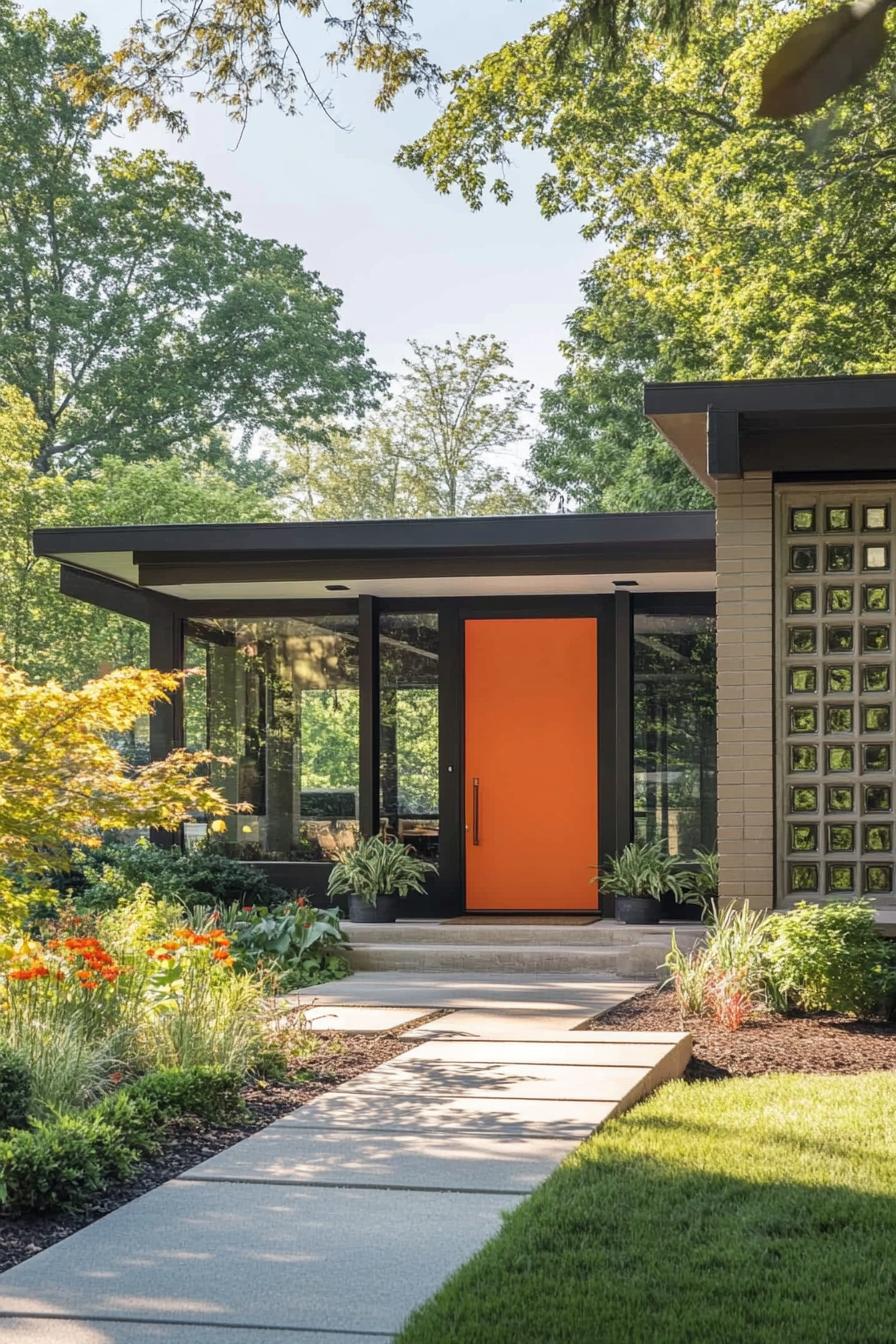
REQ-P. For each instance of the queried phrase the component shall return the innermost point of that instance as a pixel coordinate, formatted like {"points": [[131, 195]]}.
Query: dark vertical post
{"points": [[450, 882], [369, 727], [166, 654], [622, 620]]}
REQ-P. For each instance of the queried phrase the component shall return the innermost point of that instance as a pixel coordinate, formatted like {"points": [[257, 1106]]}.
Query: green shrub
{"points": [[828, 958], [15, 1089], [208, 1091], [114, 873], [61, 1163]]}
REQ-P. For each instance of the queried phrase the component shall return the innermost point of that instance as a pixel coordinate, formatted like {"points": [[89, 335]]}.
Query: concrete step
{"points": [[638, 960], [602, 933]]}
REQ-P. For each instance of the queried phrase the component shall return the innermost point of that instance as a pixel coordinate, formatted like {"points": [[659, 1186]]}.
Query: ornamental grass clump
{"points": [[198, 1011], [725, 976]]}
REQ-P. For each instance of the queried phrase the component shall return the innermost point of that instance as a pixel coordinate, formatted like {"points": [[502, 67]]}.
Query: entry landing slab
{"points": [[522, 992]]}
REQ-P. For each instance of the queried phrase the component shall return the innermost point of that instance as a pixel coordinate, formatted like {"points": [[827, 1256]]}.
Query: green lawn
{"points": [[756, 1209]]}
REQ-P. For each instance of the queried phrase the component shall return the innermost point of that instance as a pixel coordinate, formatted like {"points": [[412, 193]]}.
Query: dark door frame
{"points": [[601, 609]]}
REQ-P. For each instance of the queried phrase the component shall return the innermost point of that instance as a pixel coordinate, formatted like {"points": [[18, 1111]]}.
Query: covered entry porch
{"points": [[516, 698]]}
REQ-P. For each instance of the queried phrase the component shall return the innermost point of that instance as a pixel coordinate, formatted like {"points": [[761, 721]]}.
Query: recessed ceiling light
{"points": [[336, 587], [625, 583]]}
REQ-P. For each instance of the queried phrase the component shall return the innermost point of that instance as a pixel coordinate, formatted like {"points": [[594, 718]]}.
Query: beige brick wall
{"points": [[745, 636]]}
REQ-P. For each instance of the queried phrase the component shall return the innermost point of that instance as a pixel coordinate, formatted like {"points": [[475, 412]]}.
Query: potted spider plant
{"points": [[374, 876], [702, 882], [639, 877]]}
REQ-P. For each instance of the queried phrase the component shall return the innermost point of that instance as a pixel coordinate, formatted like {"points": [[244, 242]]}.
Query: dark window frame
{"points": [[445, 894]]}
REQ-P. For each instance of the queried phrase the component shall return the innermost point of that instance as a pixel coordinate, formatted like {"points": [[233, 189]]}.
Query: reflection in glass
{"points": [[409, 729], [675, 730], [280, 698]]}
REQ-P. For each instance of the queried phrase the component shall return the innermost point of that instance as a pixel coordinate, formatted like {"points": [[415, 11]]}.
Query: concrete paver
{"points": [[489, 1115], [54, 1330], [360, 1021], [565, 1050], [259, 1255], [361, 1157], [548, 1082], [526, 992]]}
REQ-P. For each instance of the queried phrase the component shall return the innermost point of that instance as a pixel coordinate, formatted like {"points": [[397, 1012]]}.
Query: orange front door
{"points": [[530, 788]]}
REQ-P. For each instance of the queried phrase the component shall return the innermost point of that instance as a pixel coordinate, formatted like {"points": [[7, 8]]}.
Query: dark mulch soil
{"points": [[825, 1043], [335, 1061]]}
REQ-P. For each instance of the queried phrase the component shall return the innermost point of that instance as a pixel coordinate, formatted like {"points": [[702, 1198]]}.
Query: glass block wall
{"points": [[835, 642]]}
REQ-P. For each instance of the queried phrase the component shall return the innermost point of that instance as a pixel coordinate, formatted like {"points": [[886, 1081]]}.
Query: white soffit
{"points": [[118, 565]]}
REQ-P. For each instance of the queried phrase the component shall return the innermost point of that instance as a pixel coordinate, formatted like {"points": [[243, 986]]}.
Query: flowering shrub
{"points": [[97, 999]]}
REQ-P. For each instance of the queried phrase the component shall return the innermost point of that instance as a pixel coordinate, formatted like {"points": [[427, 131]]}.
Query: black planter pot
{"points": [[384, 912], [637, 910]]}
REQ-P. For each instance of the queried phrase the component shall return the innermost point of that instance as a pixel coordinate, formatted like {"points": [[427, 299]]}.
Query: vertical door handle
{"points": [[475, 811]]}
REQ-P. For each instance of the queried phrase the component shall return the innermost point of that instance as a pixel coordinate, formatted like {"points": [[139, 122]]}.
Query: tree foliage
{"points": [[431, 452], [136, 314], [42, 632], [236, 51], [735, 247], [62, 783]]}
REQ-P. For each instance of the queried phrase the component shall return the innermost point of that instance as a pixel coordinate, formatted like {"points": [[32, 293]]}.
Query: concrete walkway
{"points": [[331, 1225]]}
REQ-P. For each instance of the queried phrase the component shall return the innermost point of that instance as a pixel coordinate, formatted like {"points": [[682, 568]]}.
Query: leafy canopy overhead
{"points": [[735, 247], [136, 314], [236, 51]]}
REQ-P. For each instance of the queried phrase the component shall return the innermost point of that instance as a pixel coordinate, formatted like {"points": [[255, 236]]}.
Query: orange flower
{"points": [[221, 954]]}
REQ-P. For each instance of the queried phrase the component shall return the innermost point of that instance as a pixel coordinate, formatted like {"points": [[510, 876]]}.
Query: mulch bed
{"points": [[825, 1043], [336, 1060]]}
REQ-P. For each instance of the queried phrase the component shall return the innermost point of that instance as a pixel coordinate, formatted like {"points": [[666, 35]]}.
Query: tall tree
{"points": [[135, 313], [42, 632], [431, 452], [734, 247]]}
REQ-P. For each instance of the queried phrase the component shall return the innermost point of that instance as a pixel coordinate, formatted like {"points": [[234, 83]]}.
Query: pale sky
{"points": [[410, 263]]}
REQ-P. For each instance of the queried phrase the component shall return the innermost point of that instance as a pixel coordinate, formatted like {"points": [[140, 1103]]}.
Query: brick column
{"points": [[745, 635]]}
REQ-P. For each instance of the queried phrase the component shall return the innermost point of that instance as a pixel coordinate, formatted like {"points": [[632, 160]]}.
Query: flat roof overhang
{"points": [[547, 553], [785, 425]]}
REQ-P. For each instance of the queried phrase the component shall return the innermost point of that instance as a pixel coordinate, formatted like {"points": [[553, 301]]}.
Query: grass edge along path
{"points": [[755, 1209]]}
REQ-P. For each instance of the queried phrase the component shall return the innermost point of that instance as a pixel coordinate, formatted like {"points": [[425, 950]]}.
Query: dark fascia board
{"points": [[870, 392], [110, 595], [398, 537], [684, 556]]}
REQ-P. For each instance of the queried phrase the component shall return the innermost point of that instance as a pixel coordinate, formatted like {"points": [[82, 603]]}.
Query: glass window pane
{"points": [[838, 518], [875, 638], [675, 730], [279, 697], [802, 520], [838, 559], [409, 729], [801, 639], [875, 517], [838, 599]]}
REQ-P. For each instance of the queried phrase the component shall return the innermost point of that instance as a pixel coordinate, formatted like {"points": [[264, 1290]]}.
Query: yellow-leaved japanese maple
{"points": [[62, 783]]}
